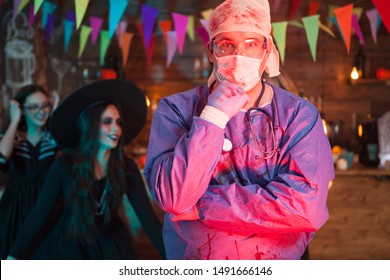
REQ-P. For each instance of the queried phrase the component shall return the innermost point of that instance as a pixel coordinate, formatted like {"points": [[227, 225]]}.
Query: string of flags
{"points": [[176, 29]]}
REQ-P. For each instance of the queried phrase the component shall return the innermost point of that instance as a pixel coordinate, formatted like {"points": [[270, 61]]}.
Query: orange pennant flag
{"points": [[165, 26], [126, 42], [344, 20]]}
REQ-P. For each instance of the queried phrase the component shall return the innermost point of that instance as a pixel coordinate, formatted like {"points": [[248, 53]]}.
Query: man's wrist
{"points": [[215, 116]]}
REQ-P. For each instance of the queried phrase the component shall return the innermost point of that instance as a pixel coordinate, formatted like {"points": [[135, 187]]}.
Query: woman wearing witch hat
{"points": [[80, 212]]}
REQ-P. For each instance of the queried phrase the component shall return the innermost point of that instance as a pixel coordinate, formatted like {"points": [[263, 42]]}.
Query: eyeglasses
{"points": [[35, 108], [274, 149], [250, 47]]}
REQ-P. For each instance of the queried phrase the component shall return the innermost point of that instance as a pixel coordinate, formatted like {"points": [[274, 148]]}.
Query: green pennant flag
{"points": [[84, 35], [312, 27], [37, 5], [104, 43], [279, 33]]}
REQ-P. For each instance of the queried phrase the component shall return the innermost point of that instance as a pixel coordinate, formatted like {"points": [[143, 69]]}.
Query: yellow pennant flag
{"points": [[81, 8], [22, 5], [84, 35], [206, 13], [191, 28]]}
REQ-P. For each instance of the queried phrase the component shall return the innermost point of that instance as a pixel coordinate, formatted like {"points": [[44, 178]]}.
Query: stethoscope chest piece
{"points": [[227, 145]]}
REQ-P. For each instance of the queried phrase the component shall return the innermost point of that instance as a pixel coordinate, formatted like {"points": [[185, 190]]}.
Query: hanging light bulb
{"points": [[354, 73]]}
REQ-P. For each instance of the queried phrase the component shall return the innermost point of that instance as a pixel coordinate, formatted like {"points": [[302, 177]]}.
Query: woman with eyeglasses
{"points": [[80, 211], [240, 167], [27, 151]]}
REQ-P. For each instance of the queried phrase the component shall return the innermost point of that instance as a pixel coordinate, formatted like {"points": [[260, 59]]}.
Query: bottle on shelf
{"points": [[368, 141], [361, 62]]}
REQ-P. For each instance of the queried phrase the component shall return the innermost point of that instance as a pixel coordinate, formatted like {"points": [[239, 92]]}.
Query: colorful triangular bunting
{"points": [[149, 15], [279, 33], [84, 34], [172, 46], [344, 20], [180, 22], [104, 43], [96, 24], [126, 42], [311, 24], [80, 8]]}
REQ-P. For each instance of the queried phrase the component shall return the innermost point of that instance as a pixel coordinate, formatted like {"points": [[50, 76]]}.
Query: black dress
{"points": [[25, 173], [45, 234]]}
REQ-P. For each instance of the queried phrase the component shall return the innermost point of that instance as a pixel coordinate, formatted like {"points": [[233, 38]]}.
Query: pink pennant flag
{"points": [[294, 7], [31, 16], [356, 28], [275, 6], [96, 25], [203, 34], [120, 29], [149, 15], [383, 8], [172, 46], [180, 22], [373, 17], [205, 24], [344, 20], [165, 26]]}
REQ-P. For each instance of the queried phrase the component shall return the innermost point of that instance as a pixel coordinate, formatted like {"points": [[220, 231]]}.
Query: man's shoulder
{"points": [[185, 102], [185, 96], [290, 99]]}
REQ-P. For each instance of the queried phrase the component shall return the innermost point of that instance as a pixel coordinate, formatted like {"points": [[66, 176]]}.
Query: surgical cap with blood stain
{"points": [[246, 16]]}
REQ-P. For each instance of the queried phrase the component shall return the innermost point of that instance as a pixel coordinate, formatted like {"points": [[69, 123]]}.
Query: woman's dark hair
{"points": [[21, 97], [85, 194]]}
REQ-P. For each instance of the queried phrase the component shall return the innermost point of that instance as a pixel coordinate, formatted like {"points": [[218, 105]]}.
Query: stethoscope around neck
{"points": [[272, 127]]}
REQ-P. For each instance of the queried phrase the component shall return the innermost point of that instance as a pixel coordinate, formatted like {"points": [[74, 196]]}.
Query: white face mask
{"points": [[241, 70]]}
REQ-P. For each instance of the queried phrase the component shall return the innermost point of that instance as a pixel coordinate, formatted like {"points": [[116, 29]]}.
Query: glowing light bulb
{"points": [[360, 130], [354, 73], [324, 124], [147, 101]]}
